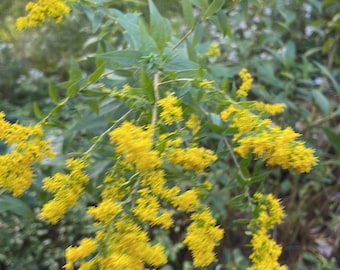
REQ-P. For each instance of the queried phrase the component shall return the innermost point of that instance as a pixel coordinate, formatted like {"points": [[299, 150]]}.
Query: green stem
{"points": [[156, 93], [101, 136], [234, 158]]}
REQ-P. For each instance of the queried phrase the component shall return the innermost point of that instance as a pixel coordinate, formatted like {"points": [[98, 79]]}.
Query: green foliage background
{"points": [[291, 49]]}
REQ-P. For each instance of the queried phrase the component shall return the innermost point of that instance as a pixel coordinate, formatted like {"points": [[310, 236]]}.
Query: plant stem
{"points": [[156, 93], [234, 158]]}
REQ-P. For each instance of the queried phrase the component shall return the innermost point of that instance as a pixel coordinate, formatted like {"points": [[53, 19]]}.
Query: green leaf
{"points": [[97, 73], [146, 84], [197, 36], [325, 71], [333, 138], [137, 34], [72, 90], [160, 27], [222, 23], [74, 71], [16, 206], [202, 4], [290, 52], [322, 102], [36, 110], [126, 58], [244, 7], [188, 13], [53, 93], [215, 6]]}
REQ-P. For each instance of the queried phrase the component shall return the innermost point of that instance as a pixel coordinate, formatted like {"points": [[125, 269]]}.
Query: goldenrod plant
{"points": [[165, 126]]}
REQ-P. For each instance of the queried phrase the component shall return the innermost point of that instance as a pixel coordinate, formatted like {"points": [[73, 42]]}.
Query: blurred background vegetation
{"points": [[292, 50]]}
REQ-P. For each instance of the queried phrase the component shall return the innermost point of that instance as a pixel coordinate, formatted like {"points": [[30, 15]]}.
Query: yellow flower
{"points": [[42, 10], [28, 147], [171, 110], [193, 158], [128, 238], [193, 124], [89, 265], [187, 201], [67, 189], [225, 115], [271, 109], [202, 237], [105, 211], [265, 251], [261, 138], [147, 209], [206, 84], [214, 50], [134, 144], [278, 147], [246, 83], [156, 181], [86, 247]]}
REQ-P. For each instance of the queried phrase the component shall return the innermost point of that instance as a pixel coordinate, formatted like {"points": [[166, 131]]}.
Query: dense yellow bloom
{"points": [[271, 109], [41, 11], [278, 147], [135, 145], [147, 209], [193, 158], [214, 50], [67, 189], [114, 189], [246, 83], [130, 239], [187, 201], [265, 251], [89, 265], [206, 84], [86, 247], [193, 124], [105, 211], [156, 181], [275, 145], [120, 261], [171, 110], [202, 237], [28, 147]]}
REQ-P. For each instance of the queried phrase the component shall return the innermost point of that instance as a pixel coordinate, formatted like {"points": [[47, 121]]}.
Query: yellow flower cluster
{"points": [[135, 144], [202, 236], [265, 251], [271, 109], [86, 247], [41, 11], [193, 124], [28, 147], [130, 248], [130, 206], [214, 50], [125, 245], [206, 84], [279, 147], [246, 83], [147, 209], [258, 136], [171, 110], [191, 158], [67, 189]]}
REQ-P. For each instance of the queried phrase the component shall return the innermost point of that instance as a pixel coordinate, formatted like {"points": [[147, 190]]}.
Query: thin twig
{"points": [[101, 136], [156, 93], [184, 38], [234, 158], [177, 80]]}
